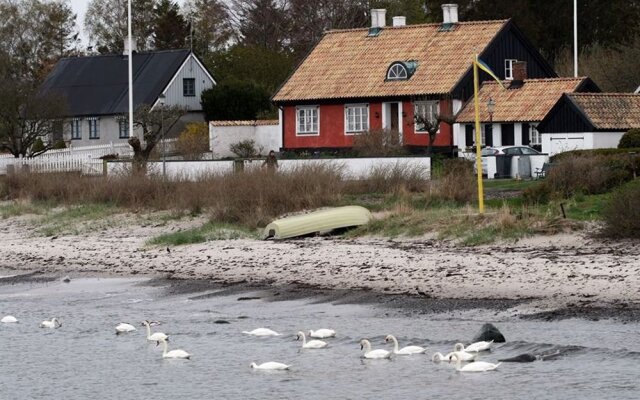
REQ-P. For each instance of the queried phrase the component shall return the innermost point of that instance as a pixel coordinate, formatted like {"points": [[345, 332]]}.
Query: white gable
{"points": [[191, 69]]}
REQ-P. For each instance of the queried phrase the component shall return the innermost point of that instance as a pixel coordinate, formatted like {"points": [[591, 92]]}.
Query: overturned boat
{"points": [[321, 221]]}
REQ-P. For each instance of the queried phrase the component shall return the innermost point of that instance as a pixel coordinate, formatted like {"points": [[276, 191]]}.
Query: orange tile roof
{"points": [[350, 64], [257, 122], [616, 111], [529, 103]]}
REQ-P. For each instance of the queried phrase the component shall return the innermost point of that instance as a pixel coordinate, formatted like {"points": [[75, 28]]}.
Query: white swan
{"points": [[312, 344], [173, 353], [271, 365], [54, 323], [124, 328], [9, 319], [463, 356], [474, 347], [262, 332], [322, 333], [368, 353], [477, 366], [438, 357], [156, 337], [405, 351]]}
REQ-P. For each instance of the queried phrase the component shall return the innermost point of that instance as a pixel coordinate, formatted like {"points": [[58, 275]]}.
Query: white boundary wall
{"points": [[352, 168], [267, 136]]}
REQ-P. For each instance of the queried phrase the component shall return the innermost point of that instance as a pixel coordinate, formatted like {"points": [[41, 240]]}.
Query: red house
{"points": [[357, 80]]}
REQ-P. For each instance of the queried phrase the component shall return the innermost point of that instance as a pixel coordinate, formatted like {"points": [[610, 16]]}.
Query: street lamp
{"points": [[161, 100], [491, 107]]}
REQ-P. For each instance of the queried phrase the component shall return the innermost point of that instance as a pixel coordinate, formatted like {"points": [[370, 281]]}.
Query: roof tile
{"points": [[529, 103], [615, 111], [350, 64]]}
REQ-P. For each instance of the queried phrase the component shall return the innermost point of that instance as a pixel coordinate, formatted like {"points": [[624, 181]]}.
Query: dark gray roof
{"points": [[98, 85]]}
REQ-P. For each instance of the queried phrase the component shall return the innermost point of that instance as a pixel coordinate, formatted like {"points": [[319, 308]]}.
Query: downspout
{"points": [[282, 123]]}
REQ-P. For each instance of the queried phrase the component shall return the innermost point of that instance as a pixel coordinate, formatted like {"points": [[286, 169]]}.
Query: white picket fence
{"points": [[84, 159]]}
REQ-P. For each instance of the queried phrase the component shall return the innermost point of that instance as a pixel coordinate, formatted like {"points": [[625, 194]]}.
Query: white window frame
{"points": [[123, 123], [188, 93], [534, 133], [308, 128], [397, 72], [76, 129], [431, 105], [94, 127], [508, 68], [360, 121]]}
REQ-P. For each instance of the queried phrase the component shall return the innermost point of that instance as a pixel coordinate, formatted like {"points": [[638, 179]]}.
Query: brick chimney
{"points": [[520, 71]]}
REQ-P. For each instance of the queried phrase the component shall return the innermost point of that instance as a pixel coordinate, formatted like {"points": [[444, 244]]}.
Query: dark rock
{"points": [[248, 298], [489, 332], [221, 321], [522, 358]]}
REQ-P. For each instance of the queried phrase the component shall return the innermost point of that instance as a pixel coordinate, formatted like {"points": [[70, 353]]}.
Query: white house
{"points": [[95, 89], [515, 113], [589, 121]]}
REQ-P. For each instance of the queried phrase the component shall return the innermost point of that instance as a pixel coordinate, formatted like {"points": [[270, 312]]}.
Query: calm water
{"points": [[85, 359]]}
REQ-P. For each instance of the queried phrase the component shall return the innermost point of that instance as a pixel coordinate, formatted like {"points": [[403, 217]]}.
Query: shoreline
{"points": [[547, 277]]}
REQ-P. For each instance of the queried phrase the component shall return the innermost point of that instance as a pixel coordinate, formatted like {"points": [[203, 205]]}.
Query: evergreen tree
{"points": [[170, 30]]}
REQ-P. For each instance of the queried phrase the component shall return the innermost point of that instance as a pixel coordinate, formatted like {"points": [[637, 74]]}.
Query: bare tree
{"points": [[27, 118], [106, 24], [210, 25], [152, 122], [431, 124]]}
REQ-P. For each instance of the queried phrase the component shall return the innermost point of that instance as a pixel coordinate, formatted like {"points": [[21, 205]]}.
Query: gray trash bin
{"points": [[503, 166]]}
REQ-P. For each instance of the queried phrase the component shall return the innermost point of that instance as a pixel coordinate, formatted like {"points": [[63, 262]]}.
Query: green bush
{"points": [[60, 144], [621, 215], [38, 146], [630, 140], [245, 149], [537, 194], [594, 152]]}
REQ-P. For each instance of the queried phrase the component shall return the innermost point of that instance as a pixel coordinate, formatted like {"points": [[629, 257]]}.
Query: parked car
{"points": [[510, 151]]}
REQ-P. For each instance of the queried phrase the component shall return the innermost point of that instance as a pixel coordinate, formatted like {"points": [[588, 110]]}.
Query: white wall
{"points": [[554, 143], [352, 168], [269, 137], [489, 166]]}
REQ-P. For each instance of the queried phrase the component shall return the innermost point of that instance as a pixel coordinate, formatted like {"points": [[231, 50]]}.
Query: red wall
{"points": [[332, 127]]}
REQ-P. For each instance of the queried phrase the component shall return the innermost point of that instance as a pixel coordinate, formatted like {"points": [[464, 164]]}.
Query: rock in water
{"points": [[489, 332], [522, 358]]}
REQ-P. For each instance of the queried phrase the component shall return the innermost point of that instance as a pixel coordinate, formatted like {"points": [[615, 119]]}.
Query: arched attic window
{"points": [[401, 71]]}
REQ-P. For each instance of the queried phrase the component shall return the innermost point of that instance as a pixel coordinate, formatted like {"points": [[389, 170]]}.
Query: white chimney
{"points": [[134, 46], [378, 18], [399, 21], [449, 13]]}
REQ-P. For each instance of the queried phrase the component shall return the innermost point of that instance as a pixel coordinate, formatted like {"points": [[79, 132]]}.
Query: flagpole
{"points": [[130, 69], [575, 38], [476, 103]]}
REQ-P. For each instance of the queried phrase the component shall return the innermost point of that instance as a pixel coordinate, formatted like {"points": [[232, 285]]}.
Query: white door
{"points": [[392, 118]]}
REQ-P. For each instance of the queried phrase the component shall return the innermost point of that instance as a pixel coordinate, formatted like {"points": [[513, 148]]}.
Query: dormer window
{"points": [[401, 70], [397, 72]]}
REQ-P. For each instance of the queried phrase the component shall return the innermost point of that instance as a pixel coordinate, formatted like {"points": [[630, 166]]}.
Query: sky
{"points": [[80, 8]]}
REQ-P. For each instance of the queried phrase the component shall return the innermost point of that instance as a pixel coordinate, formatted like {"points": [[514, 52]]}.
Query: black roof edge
{"points": [[555, 109], [586, 82]]}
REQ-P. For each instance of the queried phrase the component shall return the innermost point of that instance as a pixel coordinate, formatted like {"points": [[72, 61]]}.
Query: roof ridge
{"points": [[414, 26], [559, 79], [121, 55], [607, 94]]}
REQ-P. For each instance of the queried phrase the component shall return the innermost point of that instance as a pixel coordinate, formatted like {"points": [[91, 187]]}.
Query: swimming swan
{"points": [[124, 328], [463, 356], [54, 323], [262, 332], [477, 366], [368, 353], [474, 347], [156, 337], [312, 344], [405, 351], [271, 365], [9, 319], [322, 333], [438, 357], [173, 353]]}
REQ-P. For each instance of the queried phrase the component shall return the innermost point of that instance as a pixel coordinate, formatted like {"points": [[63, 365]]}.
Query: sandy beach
{"points": [[545, 273]]}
